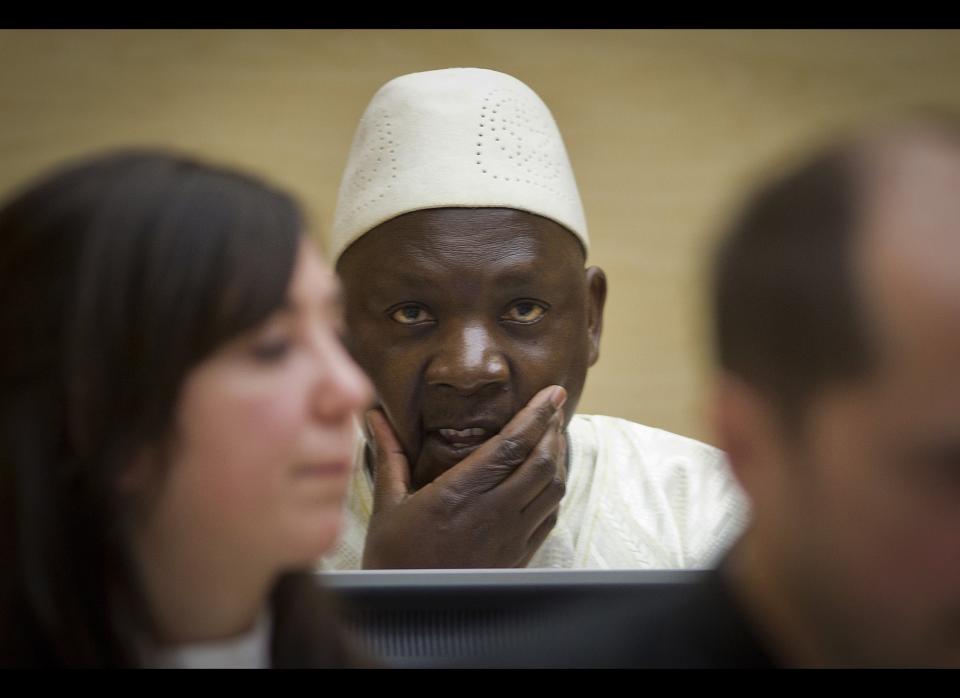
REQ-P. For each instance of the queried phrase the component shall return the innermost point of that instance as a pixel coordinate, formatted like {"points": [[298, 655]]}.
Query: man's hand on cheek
{"points": [[493, 509]]}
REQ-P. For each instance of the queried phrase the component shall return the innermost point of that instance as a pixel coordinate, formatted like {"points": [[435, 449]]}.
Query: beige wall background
{"points": [[665, 129]]}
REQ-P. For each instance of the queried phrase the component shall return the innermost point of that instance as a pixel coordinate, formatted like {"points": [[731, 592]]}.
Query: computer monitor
{"points": [[435, 618]]}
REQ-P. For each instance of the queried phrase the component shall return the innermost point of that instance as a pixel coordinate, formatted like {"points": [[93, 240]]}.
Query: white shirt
{"points": [[248, 651], [637, 498]]}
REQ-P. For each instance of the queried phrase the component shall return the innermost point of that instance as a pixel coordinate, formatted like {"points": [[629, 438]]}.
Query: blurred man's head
{"points": [[837, 310]]}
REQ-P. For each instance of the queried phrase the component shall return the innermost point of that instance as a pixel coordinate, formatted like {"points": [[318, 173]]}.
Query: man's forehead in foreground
{"points": [[906, 260]]}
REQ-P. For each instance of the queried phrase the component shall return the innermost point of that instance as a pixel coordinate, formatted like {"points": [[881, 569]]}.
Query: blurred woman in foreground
{"points": [[176, 421]]}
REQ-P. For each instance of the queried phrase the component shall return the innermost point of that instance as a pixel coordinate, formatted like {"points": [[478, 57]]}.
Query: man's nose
{"points": [[468, 360]]}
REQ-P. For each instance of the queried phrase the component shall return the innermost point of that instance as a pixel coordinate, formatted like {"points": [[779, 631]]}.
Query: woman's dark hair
{"points": [[118, 275]]}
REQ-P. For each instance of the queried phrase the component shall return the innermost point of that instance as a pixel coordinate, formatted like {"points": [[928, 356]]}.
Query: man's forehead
{"points": [[909, 249], [501, 241], [911, 220]]}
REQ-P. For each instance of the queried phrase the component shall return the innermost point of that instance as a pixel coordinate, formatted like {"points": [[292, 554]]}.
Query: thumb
{"points": [[391, 480]]}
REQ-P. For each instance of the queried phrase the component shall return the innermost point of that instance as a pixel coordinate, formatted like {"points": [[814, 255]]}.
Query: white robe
{"points": [[636, 498]]}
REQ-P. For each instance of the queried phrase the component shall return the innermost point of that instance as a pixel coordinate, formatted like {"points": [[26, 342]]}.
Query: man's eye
{"points": [[525, 312], [411, 315]]}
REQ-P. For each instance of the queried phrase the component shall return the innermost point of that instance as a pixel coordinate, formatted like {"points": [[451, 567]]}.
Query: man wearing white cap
{"points": [[461, 243]]}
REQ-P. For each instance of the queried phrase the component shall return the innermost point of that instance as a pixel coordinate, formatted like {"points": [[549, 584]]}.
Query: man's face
{"points": [[870, 516], [460, 316], [862, 513]]}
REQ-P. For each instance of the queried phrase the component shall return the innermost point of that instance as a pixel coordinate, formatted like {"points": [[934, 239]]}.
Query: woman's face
{"points": [[264, 435]]}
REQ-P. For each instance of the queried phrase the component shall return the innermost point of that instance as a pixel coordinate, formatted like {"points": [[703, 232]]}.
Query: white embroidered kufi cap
{"points": [[460, 137]]}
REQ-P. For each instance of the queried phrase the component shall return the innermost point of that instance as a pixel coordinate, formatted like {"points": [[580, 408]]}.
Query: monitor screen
{"points": [[436, 618]]}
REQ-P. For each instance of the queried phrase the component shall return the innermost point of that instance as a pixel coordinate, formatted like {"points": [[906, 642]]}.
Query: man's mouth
{"points": [[458, 436], [461, 438], [448, 439]]}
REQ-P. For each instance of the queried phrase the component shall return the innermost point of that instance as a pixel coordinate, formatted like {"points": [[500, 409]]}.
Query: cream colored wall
{"points": [[664, 128]]}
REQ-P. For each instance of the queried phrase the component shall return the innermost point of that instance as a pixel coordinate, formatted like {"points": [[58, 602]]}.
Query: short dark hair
{"points": [[788, 313], [118, 275], [785, 310]]}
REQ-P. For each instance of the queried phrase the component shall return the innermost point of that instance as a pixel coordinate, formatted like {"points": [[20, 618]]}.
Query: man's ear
{"points": [[747, 429], [596, 299]]}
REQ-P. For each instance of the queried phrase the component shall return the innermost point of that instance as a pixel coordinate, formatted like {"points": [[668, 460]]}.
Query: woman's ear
{"points": [[141, 476]]}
